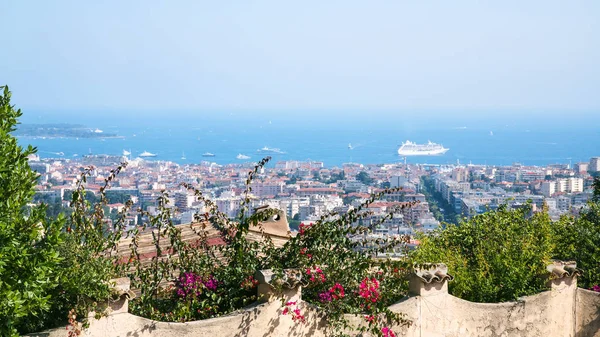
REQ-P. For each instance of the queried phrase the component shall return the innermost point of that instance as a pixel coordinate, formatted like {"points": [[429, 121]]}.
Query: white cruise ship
{"points": [[409, 148]]}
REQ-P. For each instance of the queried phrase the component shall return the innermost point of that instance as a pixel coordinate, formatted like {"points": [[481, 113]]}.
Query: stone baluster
{"points": [[429, 279]]}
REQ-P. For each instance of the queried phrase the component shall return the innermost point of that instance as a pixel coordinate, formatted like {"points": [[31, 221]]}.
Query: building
{"points": [[548, 188], [594, 164], [581, 168]]}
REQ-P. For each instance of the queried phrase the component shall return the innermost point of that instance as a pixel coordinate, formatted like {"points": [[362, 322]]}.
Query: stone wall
{"points": [[564, 310]]}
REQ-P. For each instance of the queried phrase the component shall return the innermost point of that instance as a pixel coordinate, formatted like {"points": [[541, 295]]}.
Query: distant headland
{"points": [[61, 130]]}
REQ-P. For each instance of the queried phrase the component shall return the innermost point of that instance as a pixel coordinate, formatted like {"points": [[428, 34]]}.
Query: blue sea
{"points": [[374, 140]]}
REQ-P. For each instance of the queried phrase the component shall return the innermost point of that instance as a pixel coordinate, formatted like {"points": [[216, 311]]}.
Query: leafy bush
{"points": [[578, 239], [497, 256]]}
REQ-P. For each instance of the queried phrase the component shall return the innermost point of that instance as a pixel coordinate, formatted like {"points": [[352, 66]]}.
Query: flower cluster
{"points": [[596, 288], [303, 251], [190, 284], [369, 289], [334, 293], [316, 274], [387, 332], [370, 318], [302, 229], [295, 313], [249, 283]]}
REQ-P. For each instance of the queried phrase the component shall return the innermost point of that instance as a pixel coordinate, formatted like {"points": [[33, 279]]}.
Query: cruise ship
{"points": [[409, 148]]}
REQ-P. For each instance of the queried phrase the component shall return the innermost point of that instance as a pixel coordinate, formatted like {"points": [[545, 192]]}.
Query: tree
{"points": [[578, 239], [364, 178], [50, 266], [496, 256], [28, 240]]}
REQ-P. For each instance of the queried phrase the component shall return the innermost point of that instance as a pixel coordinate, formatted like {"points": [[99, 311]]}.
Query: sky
{"points": [[467, 57]]}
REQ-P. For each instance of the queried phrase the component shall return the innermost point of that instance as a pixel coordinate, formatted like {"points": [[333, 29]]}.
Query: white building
{"points": [[548, 188], [594, 164]]}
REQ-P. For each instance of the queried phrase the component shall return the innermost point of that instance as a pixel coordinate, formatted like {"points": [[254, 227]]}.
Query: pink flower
{"points": [[369, 318], [295, 313], [369, 289], [387, 332], [325, 297], [337, 291], [303, 228]]}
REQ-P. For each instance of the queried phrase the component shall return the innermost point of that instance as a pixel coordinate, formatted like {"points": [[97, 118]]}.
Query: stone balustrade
{"points": [[563, 310]]}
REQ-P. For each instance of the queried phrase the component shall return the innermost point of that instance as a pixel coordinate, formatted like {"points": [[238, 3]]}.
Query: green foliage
{"points": [[48, 264], [28, 241], [578, 239], [335, 177], [497, 256], [364, 178]]}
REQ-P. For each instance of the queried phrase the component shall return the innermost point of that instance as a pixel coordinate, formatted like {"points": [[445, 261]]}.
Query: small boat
{"points": [[242, 156], [147, 154], [208, 154], [350, 146], [183, 155], [126, 153]]}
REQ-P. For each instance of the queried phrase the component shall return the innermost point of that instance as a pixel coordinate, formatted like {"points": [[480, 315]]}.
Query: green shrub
{"points": [[497, 256], [578, 239]]}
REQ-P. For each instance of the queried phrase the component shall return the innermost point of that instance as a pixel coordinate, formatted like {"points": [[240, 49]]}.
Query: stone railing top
{"points": [[290, 279], [563, 269], [432, 272]]}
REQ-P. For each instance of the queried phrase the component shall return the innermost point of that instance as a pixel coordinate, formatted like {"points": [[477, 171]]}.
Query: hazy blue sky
{"points": [[304, 55]]}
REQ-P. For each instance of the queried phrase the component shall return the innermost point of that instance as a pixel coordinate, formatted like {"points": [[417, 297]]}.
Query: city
{"points": [[306, 191], [299, 169]]}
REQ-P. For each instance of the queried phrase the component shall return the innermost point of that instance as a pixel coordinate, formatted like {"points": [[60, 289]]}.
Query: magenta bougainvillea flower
{"points": [[387, 332], [369, 289], [191, 284]]}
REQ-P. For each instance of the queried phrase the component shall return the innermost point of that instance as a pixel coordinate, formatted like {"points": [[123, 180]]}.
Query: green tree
{"points": [[496, 256], [28, 240], [364, 178], [578, 239]]}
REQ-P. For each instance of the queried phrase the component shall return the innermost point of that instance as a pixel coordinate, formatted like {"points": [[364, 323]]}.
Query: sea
{"points": [[333, 139]]}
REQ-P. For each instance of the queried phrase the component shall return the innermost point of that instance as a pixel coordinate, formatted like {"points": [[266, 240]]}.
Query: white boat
{"points": [[267, 149], [208, 154], [350, 146], [183, 155], [126, 153], [409, 148], [147, 154], [242, 156]]}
